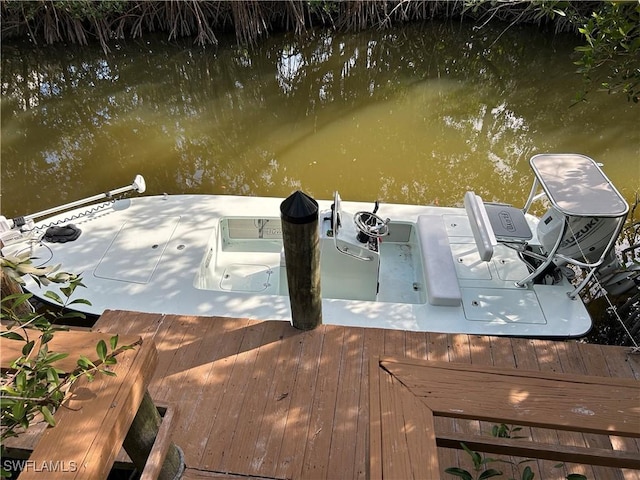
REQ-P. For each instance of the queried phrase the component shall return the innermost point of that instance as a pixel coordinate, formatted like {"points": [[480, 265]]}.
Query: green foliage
{"points": [[78, 9], [83, 9], [479, 463], [610, 59], [505, 431], [33, 387], [323, 8], [480, 470], [19, 266]]}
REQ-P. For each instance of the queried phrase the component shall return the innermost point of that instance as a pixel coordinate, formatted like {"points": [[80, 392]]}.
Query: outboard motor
{"points": [[585, 239]]}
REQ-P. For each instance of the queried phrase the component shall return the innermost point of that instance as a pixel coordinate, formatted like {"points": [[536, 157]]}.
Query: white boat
{"points": [[486, 269]]}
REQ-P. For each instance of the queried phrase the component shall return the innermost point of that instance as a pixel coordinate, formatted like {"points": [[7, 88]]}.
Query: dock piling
{"points": [[299, 214]]}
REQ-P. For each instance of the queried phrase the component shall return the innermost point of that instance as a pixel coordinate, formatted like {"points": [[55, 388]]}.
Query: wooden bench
{"points": [[96, 420], [407, 395]]}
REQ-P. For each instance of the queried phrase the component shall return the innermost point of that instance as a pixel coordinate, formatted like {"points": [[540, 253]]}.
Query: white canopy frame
{"points": [[576, 186]]}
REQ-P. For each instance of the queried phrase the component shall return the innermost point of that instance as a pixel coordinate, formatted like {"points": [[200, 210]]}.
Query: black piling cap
{"points": [[299, 208]]}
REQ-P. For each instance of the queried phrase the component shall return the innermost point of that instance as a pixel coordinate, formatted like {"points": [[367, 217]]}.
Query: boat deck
{"points": [[148, 254], [264, 400]]}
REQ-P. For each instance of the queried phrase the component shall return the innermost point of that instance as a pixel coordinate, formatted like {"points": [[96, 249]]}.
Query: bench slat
{"points": [[74, 342]]}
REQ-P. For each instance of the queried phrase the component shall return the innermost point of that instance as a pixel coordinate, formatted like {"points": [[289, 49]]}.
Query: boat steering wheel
{"points": [[371, 224]]}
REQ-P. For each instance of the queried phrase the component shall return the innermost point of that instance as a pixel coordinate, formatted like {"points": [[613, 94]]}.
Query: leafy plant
{"points": [[33, 388], [610, 55], [480, 462], [505, 431], [608, 60], [33, 385]]}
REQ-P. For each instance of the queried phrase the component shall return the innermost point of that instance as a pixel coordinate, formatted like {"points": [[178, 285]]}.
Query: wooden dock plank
{"points": [[523, 357], [253, 411], [394, 342], [460, 352], [549, 361], [220, 444], [180, 350], [395, 464], [289, 463], [416, 345], [180, 345], [342, 453], [270, 437], [594, 456], [373, 342], [438, 350], [374, 453], [194, 380], [322, 415], [196, 438], [594, 364], [571, 363], [239, 401], [125, 322], [419, 434], [481, 354]]}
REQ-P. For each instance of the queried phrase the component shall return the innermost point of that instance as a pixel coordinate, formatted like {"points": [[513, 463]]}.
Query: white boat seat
{"points": [[439, 268], [480, 225]]}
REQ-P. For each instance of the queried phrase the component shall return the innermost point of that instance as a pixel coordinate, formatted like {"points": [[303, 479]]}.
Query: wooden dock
{"points": [[264, 400]]}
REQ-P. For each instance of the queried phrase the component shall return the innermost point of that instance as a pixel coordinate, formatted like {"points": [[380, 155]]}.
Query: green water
{"points": [[412, 115]]}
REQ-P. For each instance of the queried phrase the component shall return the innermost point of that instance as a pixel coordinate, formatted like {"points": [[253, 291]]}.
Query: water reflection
{"points": [[418, 114]]}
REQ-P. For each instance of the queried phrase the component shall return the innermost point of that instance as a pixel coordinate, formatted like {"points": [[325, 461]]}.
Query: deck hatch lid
{"points": [[136, 250], [502, 306]]}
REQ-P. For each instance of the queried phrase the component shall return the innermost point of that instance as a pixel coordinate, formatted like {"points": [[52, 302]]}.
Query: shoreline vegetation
{"points": [[84, 21], [609, 59]]}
